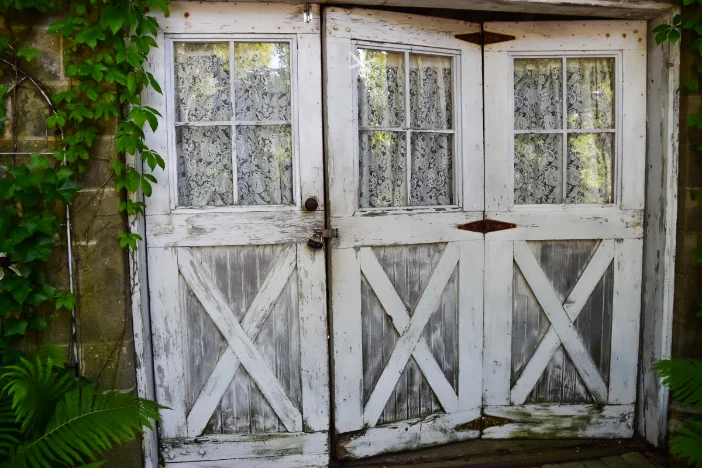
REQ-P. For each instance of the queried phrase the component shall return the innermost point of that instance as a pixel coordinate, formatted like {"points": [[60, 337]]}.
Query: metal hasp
{"points": [[326, 233], [485, 38], [486, 225]]}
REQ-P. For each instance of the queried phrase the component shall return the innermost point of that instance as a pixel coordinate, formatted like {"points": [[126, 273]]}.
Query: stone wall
{"points": [[687, 329], [104, 329]]}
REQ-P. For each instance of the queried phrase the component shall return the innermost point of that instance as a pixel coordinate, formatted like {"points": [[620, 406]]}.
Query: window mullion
{"points": [[232, 95], [564, 130], [408, 132]]}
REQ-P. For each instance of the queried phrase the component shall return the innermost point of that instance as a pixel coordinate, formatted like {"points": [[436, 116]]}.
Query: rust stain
{"points": [[624, 35], [485, 226], [607, 35], [636, 31], [186, 14]]}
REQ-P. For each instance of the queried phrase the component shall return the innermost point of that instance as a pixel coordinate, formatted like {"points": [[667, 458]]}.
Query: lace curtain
{"points": [[262, 113], [539, 104], [382, 104]]}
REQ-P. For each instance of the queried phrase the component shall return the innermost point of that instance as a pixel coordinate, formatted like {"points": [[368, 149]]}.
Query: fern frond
{"points": [[86, 423], [687, 444], [35, 389], [684, 377], [10, 434]]}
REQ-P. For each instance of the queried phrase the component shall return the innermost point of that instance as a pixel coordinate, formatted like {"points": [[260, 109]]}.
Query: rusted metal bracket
{"points": [[484, 226], [332, 233], [485, 38]]}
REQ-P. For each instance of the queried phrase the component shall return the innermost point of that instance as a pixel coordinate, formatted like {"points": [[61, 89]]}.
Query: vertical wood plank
{"points": [[471, 120], [498, 160], [309, 118], [470, 324], [626, 315], [633, 129], [168, 326], [339, 122], [499, 266], [347, 342], [314, 363]]}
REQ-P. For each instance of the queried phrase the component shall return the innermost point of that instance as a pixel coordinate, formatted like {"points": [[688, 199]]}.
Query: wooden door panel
{"points": [[563, 334]]}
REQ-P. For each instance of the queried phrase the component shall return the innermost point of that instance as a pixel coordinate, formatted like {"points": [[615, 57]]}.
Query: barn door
{"points": [[565, 143], [237, 297], [404, 136]]}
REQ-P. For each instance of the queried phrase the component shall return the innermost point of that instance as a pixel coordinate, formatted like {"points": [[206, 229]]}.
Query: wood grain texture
{"points": [[396, 277], [215, 304], [575, 269], [557, 316]]}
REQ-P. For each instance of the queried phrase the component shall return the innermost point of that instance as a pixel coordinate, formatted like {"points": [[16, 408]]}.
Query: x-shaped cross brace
{"points": [[410, 343], [561, 317], [239, 337]]}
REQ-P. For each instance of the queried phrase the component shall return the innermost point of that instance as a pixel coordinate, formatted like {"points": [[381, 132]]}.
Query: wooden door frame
{"points": [[663, 77]]}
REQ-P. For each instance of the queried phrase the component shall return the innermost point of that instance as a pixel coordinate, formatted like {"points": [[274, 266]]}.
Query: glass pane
{"points": [[430, 84], [264, 165], [538, 91], [590, 92], [202, 86], [262, 81], [590, 168], [204, 166], [381, 89], [538, 168], [382, 169], [432, 169]]}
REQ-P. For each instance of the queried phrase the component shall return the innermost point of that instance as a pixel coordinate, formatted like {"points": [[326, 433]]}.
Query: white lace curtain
{"points": [[382, 104], [588, 105]]}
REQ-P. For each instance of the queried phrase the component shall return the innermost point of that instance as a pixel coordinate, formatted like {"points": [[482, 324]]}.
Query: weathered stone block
{"points": [[111, 363], [103, 317], [101, 267]]}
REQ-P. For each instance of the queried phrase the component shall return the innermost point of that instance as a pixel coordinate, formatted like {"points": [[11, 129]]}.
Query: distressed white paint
{"points": [[573, 305], [239, 447], [659, 245], [433, 430], [561, 421], [228, 364]]}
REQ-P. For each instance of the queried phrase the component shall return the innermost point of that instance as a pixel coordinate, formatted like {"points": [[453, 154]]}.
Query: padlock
{"points": [[315, 241]]}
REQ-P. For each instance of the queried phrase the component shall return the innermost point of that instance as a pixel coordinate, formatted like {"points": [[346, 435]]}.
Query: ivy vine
{"points": [[106, 44]]}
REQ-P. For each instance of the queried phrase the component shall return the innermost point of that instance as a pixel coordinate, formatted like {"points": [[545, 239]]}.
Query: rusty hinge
{"points": [[486, 225], [485, 38], [482, 423]]}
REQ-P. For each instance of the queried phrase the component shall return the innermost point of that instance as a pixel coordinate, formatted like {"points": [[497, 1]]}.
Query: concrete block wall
{"points": [[104, 329]]}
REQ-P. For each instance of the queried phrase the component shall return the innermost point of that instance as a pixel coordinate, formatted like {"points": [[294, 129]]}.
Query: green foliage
{"points": [[47, 417], [50, 419]]}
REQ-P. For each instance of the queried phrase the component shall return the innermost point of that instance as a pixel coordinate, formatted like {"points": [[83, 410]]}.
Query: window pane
{"points": [[202, 86], [590, 92], [432, 169], [264, 165], [382, 169], [262, 81], [430, 83], [590, 168], [381, 88], [538, 168], [538, 91], [204, 166]]}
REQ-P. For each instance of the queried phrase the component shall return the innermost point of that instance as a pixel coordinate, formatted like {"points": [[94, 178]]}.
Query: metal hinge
{"points": [[485, 38], [484, 226], [331, 233]]}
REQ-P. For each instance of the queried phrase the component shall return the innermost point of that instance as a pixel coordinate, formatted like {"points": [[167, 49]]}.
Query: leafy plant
{"points": [[50, 419]]}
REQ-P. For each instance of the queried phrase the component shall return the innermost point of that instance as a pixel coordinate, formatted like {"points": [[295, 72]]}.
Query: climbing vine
{"points": [[105, 44]]}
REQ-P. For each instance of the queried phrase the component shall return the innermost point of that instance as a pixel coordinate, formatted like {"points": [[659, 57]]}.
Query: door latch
{"points": [[316, 240]]}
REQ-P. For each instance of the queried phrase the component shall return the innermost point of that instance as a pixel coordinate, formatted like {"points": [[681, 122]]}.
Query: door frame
{"points": [[663, 77]]}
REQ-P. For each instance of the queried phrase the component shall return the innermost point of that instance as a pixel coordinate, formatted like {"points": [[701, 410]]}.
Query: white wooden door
{"points": [[238, 300], [565, 144], [405, 167]]}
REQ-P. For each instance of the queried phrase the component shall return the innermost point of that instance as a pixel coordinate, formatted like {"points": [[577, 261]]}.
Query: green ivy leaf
{"points": [[38, 323], [14, 326], [129, 239], [113, 19], [27, 53], [65, 300]]}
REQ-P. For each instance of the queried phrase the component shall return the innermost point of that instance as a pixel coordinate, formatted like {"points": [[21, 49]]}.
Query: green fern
{"points": [[684, 377], [47, 420]]}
